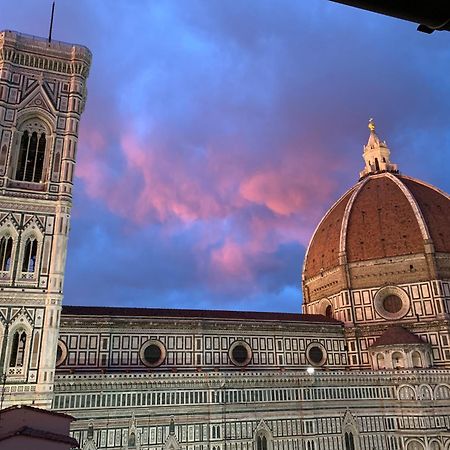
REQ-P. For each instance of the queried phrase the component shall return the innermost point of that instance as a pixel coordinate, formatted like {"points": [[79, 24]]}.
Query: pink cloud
{"points": [[168, 190], [91, 162], [230, 259], [287, 188], [271, 190], [215, 188]]}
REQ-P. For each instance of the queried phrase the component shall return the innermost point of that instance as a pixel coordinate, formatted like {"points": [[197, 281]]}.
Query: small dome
{"points": [[384, 215], [397, 335]]}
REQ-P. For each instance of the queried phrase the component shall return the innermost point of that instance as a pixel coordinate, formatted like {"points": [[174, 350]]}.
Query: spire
{"points": [[373, 138], [376, 154]]}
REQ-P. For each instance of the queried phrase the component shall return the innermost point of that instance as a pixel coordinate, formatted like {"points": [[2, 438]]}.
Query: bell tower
{"points": [[42, 96]]}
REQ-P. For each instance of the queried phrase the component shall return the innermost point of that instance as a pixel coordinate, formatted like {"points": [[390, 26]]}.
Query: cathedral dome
{"points": [[384, 217]]}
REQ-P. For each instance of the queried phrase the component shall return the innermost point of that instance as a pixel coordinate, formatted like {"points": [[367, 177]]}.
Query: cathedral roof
{"points": [[384, 215], [397, 335], [194, 314]]}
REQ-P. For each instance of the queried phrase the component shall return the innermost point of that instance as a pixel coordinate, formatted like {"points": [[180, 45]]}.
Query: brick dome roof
{"points": [[384, 215]]}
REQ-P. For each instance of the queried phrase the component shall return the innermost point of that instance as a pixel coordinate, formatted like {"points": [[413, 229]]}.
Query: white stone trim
{"points": [[324, 354], [147, 344], [415, 207], [320, 223], [249, 353], [391, 290], [428, 185], [345, 219]]}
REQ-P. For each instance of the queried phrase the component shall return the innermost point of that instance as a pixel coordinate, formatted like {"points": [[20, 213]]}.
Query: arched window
{"points": [[132, 440], [31, 156], [90, 431], [6, 244], [398, 360], [19, 341], [29, 255], [329, 311], [377, 165], [380, 361], [349, 441], [261, 442], [416, 359]]}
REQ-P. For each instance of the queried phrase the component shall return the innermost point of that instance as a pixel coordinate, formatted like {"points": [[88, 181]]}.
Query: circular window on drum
{"points": [[240, 353], [391, 302], [61, 353], [152, 353], [316, 354]]}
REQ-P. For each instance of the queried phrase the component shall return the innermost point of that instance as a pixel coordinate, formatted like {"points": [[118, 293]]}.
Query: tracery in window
{"points": [[261, 442], [349, 441], [132, 440], [18, 345], [6, 244], [29, 255], [31, 156]]}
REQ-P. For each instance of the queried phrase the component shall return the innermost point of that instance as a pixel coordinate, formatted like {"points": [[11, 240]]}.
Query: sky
{"points": [[217, 134]]}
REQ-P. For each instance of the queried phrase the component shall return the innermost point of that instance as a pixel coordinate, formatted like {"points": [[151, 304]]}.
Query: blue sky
{"points": [[217, 134]]}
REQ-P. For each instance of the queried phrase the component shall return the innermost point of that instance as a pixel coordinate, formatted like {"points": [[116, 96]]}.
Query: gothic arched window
{"points": [[29, 255], [261, 442], [349, 441], [6, 244], [19, 341], [31, 153]]}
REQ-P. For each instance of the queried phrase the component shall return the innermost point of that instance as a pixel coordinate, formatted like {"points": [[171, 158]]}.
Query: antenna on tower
{"points": [[51, 24]]}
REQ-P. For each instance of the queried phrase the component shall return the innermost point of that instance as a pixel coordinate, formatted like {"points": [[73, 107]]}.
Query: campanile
{"points": [[42, 97]]}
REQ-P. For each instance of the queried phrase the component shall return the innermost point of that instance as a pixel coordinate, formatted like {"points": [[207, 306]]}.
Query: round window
{"points": [[153, 353], [316, 354], [61, 353], [391, 302], [240, 353]]}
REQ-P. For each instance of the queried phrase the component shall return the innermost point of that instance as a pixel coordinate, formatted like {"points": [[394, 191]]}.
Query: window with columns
{"points": [[18, 346], [29, 255], [261, 442], [6, 245], [349, 441], [34, 137]]}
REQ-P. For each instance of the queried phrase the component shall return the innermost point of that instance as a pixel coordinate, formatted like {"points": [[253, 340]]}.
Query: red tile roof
{"points": [[323, 251], [39, 410], [194, 314], [39, 434], [435, 208], [397, 335], [381, 223]]}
